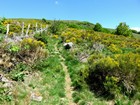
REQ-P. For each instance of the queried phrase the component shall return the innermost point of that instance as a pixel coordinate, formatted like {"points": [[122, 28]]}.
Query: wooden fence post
{"points": [[28, 30], [7, 29], [41, 28], [36, 27], [22, 33]]}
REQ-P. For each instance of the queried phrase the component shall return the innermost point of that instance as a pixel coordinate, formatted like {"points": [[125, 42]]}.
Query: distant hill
{"points": [[70, 23]]}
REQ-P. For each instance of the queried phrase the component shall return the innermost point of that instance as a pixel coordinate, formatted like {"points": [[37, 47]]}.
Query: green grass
{"points": [[136, 35], [1, 37], [53, 77], [87, 97], [82, 95], [46, 78]]}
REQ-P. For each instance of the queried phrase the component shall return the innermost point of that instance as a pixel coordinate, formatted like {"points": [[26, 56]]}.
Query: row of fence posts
{"points": [[27, 31]]}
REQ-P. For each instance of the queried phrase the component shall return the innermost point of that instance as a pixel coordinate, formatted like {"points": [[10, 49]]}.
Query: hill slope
{"points": [[99, 69]]}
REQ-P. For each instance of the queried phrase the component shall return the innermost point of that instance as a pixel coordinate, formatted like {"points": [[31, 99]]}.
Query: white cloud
{"points": [[136, 28], [56, 2]]}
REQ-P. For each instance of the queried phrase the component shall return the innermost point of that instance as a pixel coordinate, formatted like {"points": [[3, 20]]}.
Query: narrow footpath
{"points": [[68, 88]]}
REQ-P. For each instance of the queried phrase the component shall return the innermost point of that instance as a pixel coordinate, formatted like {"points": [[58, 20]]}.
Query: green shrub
{"points": [[57, 27], [123, 29], [98, 27], [14, 49], [110, 85], [123, 102], [82, 103], [41, 37], [44, 20], [74, 25], [15, 28], [105, 30], [32, 44], [76, 99], [4, 96], [115, 75], [2, 27], [17, 74], [1, 37], [114, 49]]}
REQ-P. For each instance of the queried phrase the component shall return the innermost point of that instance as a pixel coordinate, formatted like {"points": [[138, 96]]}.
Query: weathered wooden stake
{"points": [[47, 27], [22, 33], [36, 27], [7, 29], [41, 28], [28, 30]]}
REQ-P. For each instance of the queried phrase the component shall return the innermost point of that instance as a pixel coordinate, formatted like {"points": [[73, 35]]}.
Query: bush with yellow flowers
{"points": [[55, 36], [2, 26], [15, 28], [32, 43], [113, 48], [116, 74], [74, 35], [112, 71], [101, 67], [26, 51], [11, 34]]}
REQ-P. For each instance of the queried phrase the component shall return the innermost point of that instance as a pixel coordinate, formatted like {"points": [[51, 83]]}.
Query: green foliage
{"points": [[113, 48], [86, 25], [98, 27], [41, 37], [2, 27], [44, 20], [3, 95], [15, 28], [76, 99], [56, 27], [125, 101], [73, 64], [134, 31], [110, 85], [17, 74], [115, 75], [136, 35], [112, 72], [105, 30], [73, 25], [14, 49], [53, 78], [1, 37], [78, 25], [31, 43], [82, 103], [123, 29]]}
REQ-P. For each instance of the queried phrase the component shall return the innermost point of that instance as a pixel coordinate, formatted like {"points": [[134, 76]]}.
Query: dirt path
{"points": [[68, 88]]}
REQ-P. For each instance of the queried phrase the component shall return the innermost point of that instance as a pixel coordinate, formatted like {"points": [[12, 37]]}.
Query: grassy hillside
{"points": [[99, 69], [136, 35]]}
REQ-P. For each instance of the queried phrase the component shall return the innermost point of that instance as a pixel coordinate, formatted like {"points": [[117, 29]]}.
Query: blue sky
{"points": [[107, 12]]}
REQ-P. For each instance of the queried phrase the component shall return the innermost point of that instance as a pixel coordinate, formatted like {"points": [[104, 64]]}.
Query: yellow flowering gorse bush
{"points": [[113, 48], [32, 43]]}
